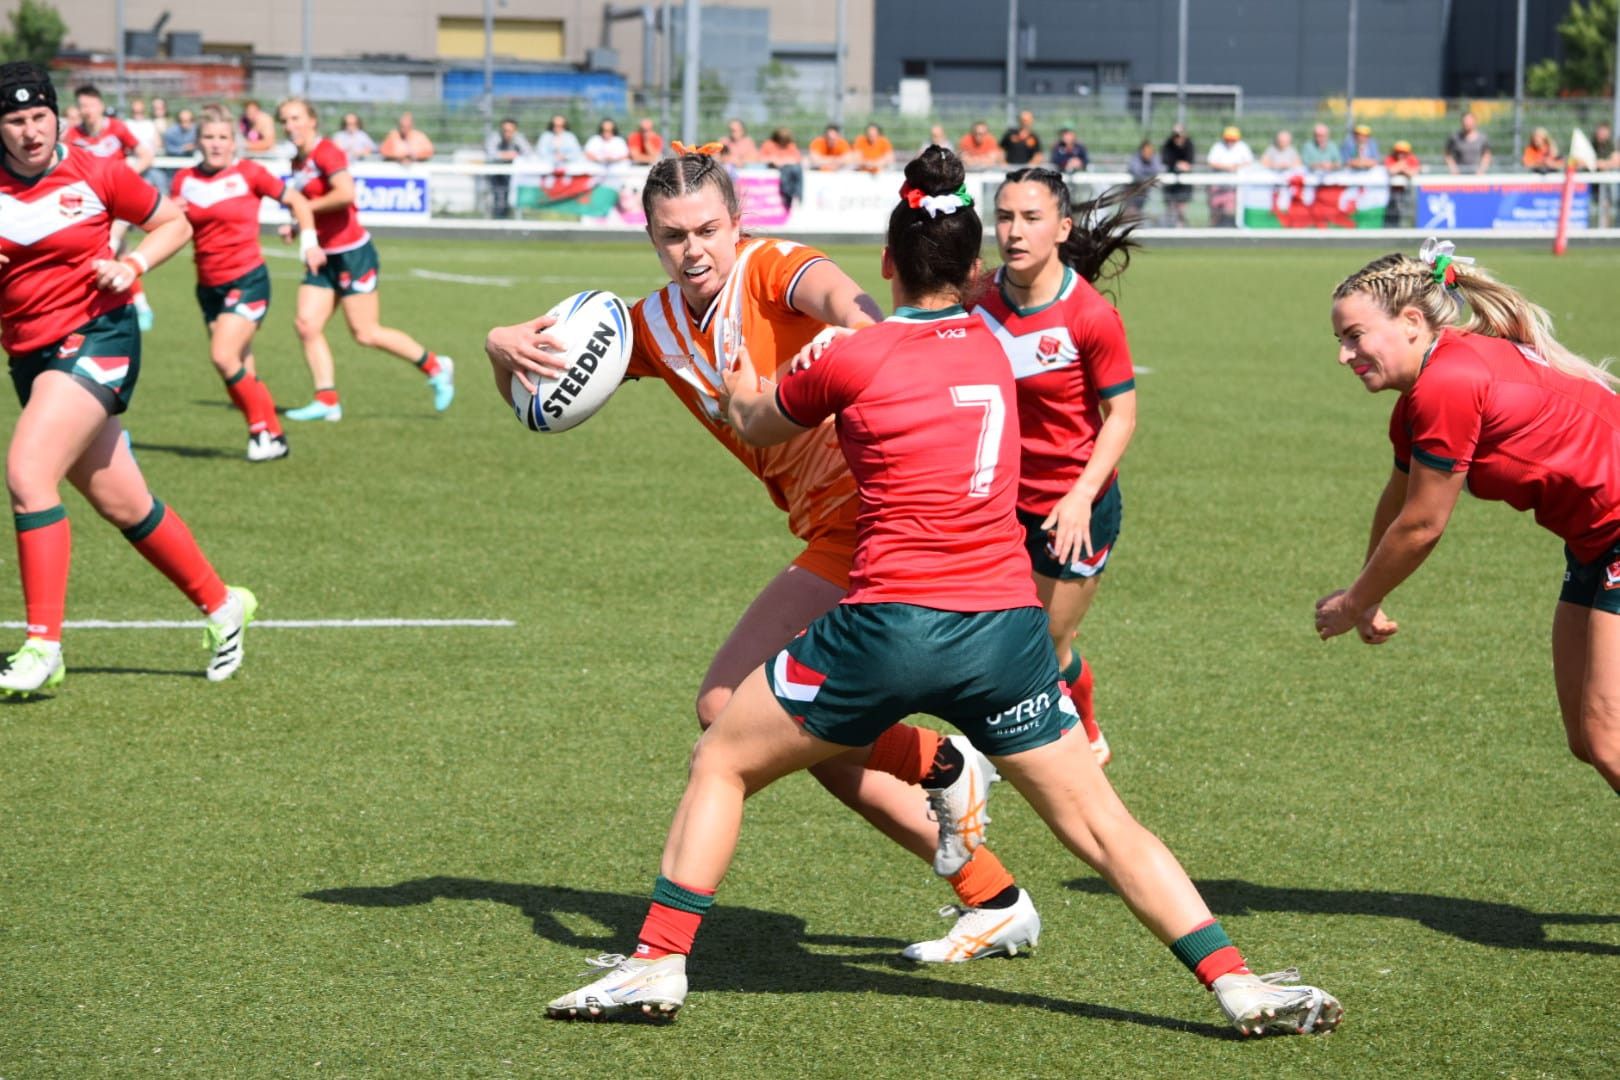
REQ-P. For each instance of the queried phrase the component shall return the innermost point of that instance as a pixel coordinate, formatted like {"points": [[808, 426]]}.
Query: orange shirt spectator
{"points": [[979, 149], [873, 151], [830, 150], [779, 149], [740, 148], [646, 145], [1541, 153], [406, 142]]}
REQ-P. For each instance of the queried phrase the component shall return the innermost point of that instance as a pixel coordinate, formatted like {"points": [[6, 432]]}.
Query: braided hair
{"points": [[1395, 282], [672, 177]]}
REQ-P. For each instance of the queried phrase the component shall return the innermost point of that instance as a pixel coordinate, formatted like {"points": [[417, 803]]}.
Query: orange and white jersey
{"points": [[807, 475]]}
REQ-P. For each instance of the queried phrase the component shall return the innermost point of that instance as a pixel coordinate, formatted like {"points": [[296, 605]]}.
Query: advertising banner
{"points": [[1445, 204]]}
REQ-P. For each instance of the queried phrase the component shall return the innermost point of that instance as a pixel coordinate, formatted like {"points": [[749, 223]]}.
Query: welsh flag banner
{"points": [[1298, 200]]}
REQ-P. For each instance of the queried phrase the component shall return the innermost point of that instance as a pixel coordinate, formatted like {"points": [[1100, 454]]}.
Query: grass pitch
{"points": [[379, 852]]}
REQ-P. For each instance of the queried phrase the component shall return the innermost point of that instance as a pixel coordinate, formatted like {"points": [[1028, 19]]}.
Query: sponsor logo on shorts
{"points": [[70, 346], [1022, 716], [233, 298], [1611, 575], [1048, 350]]}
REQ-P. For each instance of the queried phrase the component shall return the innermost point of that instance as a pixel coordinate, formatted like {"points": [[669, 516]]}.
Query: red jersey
{"points": [[115, 141], [1526, 434], [52, 228], [806, 476], [223, 208], [1068, 356], [923, 402], [337, 230]]}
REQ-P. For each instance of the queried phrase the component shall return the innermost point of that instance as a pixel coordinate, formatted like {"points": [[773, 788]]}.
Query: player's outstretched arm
{"points": [[750, 405], [524, 352]]}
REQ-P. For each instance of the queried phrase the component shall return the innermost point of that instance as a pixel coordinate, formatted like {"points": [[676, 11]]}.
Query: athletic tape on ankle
{"points": [[38, 519], [147, 525], [680, 898]]}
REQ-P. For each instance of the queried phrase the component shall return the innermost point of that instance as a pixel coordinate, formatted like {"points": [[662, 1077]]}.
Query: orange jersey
{"points": [[807, 475]]}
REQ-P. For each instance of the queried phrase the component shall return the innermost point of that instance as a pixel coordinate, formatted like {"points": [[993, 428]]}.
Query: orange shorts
{"points": [[830, 547]]}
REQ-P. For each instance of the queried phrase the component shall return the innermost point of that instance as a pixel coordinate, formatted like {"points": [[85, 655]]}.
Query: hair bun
{"points": [[936, 171]]}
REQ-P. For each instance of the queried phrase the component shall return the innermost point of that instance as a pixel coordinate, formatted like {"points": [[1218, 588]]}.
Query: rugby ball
{"points": [[594, 329]]}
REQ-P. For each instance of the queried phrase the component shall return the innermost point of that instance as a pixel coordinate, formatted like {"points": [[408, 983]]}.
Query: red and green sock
{"points": [[44, 549], [162, 537], [1208, 953], [252, 398], [429, 363], [1077, 679], [673, 919]]}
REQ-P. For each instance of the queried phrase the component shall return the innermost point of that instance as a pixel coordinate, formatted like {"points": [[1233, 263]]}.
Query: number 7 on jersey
{"points": [[986, 396]]}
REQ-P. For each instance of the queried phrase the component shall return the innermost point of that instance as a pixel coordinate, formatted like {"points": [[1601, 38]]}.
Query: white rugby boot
{"points": [[263, 446], [1276, 1003], [653, 988], [981, 932], [962, 809], [225, 631], [34, 667]]}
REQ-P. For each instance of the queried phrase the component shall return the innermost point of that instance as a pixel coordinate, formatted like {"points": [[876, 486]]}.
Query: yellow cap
{"points": [[1363, 129], [1402, 146], [1231, 133]]}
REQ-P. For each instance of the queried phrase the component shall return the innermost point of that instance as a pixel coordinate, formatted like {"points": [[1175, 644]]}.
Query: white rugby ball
{"points": [[594, 328]]}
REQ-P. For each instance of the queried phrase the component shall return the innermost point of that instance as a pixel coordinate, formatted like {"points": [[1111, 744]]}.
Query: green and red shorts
{"points": [[1595, 584], [1106, 515], [247, 296], [861, 668], [103, 356], [349, 273]]}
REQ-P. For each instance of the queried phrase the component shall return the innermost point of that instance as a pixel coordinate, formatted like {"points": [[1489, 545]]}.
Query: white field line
{"points": [[463, 279], [271, 624]]}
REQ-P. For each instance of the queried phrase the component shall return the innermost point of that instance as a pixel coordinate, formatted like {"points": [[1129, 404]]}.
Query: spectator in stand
{"points": [[979, 150], [558, 147], [740, 147], [1320, 155], [160, 116], [1468, 151], [181, 138], [936, 137], [830, 150], [71, 118], [608, 148], [1230, 155], [1281, 156], [646, 145], [1361, 149], [781, 153], [1541, 153], [1144, 165], [1069, 154], [145, 131], [503, 146], [1178, 156], [873, 152], [1607, 161], [1402, 165], [258, 128], [1020, 146], [351, 138], [406, 142]]}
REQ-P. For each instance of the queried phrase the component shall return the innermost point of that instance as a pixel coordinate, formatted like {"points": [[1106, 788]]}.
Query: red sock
{"points": [[673, 919], [262, 408], [44, 547], [1081, 692], [983, 878], [905, 751], [240, 387], [429, 364], [168, 545], [329, 396]]}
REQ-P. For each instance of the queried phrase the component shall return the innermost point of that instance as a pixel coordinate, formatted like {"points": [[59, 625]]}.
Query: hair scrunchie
{"points": [[935, 205]]}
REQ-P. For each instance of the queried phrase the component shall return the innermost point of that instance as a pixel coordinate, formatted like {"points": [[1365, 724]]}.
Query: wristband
{"points": [[307, 242], [137, 262]]}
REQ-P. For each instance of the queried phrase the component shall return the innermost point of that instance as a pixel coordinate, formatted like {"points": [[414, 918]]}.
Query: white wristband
{"points": [[139, 260], [307, 242]]}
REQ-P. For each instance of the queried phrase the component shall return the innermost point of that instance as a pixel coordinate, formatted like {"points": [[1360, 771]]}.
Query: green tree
{"points": [[778, 84], [1587, 33], [36, 33]]}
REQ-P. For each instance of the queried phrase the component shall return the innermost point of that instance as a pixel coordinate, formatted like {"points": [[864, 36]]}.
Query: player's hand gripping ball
{"points": [[594, 328]]}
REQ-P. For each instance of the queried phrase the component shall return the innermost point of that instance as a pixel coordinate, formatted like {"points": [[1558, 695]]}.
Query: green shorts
{"points": [[349, 273], [861, 668], [103, 356], [1595, 584], [247, 296], [1106, 514]]}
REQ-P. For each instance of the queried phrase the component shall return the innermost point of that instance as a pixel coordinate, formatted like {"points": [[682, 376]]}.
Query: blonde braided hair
{"points": [[1395, 282]]}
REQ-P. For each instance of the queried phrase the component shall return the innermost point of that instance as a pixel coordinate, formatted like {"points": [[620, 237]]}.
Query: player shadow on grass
{"points": [[743, 949], [181, 451], [191, 674], [1481, 922]]}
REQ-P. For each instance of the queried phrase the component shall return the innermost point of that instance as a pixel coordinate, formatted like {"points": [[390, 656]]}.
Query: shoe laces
{"points": [[1279, 978], [606, 960], [31, 650]]}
